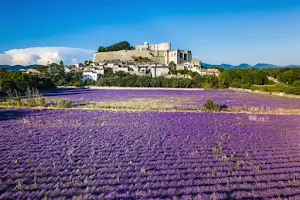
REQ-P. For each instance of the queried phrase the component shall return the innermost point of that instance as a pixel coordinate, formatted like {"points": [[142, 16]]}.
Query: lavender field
{"points": [[94, 154], [178, 98]]}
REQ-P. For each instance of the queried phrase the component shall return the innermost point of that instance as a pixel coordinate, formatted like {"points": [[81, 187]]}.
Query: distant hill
{"points": [[247, 66], [264, 65], [17, 67]]}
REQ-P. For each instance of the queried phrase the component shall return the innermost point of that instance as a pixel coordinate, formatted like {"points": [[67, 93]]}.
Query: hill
{"points": [[247, 66], [17, 67]]}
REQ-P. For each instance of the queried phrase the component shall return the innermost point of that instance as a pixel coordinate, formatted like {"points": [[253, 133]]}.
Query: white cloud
{"points": [[5, 59], [43, 55]]}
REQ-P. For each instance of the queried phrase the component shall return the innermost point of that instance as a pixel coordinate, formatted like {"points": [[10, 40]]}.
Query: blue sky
{"points": [[217, 31]]}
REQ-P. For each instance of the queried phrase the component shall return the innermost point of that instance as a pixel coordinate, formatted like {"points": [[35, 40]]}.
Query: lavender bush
{"points": [[190, 98], [90, 154]]}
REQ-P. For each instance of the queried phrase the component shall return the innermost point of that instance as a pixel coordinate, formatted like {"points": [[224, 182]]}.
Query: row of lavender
{"points": [[196, 97], [144, 155]]}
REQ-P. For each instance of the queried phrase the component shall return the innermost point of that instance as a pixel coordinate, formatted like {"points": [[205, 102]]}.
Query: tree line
{"points": [[270, 80], [124, 45], [56, 74], [122, 79], [286, 80], [16, 83]]}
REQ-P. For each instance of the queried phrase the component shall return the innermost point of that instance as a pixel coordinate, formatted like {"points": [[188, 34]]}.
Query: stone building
{"points": [[143, 67], [77, 64], [32, 71], [89, 75], [117, 66], [205, 72], [159, 70], [165, 46], [159, 53], [179, 56]]}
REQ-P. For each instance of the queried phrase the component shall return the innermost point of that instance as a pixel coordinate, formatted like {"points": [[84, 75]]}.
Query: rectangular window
{"points": [[185, 57]]}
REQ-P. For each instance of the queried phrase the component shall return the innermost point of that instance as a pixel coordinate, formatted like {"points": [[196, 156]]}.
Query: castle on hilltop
{"points": [[165, 46], [160, 53]]}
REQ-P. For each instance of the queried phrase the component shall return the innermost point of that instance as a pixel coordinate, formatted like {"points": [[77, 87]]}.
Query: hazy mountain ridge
{"points": [[247, 66], [17, 67]]}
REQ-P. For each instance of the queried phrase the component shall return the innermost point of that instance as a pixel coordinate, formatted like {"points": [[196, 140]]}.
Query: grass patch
{"points": [[36, 102], [169, 103]]}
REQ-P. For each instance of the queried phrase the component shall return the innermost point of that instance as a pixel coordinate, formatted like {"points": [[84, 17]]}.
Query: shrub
{"points": [[246, 86], [236, 83], [77, 84], [42, 102], [64, 103], [221, 85], [31, 102], [210, 105], [206, 85], [270, 82], [296, 83], [14, 102]]}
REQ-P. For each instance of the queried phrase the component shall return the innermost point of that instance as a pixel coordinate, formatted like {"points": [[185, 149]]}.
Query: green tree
{"points": [[101, 49], [198, 81], [124, 45], [228, 75], [187, 83], [259, 78], [296, 83], [155, 82], [289, 76], [236, 83], [172, 65], [14, 83]]}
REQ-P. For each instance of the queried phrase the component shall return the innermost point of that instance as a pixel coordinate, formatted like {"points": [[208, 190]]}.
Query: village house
{"points": [[112, 64], [131, 65], [123, 67], [143, 67], [159, 70], [205, 72], [117, 66], [89, 75], [72, 69], [97, 69], [77, 64], [212, 72], [196, 63], [68, 69], [180, 67], [32, 71]]}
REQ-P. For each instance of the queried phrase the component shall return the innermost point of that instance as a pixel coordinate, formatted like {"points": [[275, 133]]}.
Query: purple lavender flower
{"points": [[177, 163]]}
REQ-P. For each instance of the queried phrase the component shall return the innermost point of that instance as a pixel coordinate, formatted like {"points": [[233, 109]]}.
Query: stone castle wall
{"points": [[157, 56], [160, 59], [123, 55]]}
